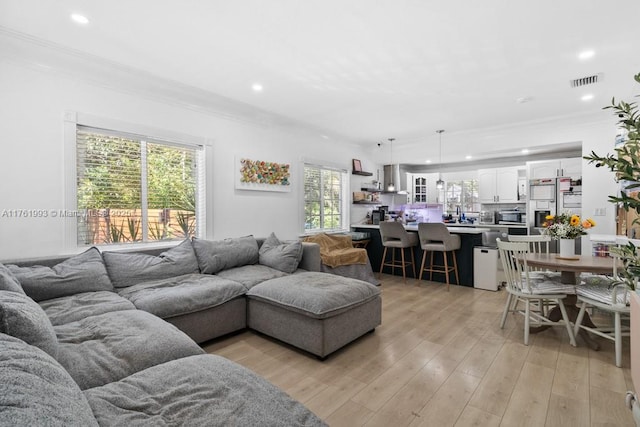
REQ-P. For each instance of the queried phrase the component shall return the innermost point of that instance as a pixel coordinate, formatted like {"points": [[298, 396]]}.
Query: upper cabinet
{"points": [[422, 187], [571, 167], [498, 185]]}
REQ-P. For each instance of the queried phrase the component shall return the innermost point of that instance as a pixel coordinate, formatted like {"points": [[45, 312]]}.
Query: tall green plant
{"points": [[626, 165]]}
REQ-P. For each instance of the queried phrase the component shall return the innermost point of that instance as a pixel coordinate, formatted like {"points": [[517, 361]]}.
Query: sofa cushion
{"points": [[23, 318], [251, 275], [101, 349], [84, 272], [9, 282], [215, 256], [128, 269], [281, 256], [199, 390], [35, 390], [75, 307], [317, 295], [184, 294]]}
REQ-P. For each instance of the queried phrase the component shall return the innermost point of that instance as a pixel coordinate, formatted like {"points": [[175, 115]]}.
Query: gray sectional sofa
{"points": [[111, 338]]}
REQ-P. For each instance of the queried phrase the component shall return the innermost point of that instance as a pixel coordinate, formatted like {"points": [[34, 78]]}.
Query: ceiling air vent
{"points": [[588, 80]]}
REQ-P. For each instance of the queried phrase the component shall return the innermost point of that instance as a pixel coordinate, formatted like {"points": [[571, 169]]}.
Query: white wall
{"points": [[32, 166]]}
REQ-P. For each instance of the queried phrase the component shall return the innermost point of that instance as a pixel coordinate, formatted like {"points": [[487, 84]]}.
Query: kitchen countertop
{"points": [[455, 229], [492, 226]]}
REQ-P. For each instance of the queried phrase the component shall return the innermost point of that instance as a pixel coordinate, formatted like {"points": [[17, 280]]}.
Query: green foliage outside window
{"points": [[323, 204], [112, 172]]}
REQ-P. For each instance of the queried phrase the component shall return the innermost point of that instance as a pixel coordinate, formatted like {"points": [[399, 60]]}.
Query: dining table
{"points": [[569, 268]]}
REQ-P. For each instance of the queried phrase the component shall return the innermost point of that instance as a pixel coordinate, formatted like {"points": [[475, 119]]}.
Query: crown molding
{"points": [[52, 58]]}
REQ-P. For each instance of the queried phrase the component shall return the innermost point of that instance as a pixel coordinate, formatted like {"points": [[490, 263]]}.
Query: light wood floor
{"points": [[440, 358]]}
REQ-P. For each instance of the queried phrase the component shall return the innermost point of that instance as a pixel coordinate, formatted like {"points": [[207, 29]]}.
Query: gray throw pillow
{"points": [[215, 256], [84, 272], [9, 282], [281, 256], [35, 390], [23, 318], [128, 269]]}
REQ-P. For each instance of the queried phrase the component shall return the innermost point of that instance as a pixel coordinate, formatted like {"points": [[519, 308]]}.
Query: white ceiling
{"points": [[363, 70]]}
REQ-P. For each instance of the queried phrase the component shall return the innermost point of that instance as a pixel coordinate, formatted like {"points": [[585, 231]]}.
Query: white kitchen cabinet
{"points": [[498, 185], [571, 167], [423, 187]]}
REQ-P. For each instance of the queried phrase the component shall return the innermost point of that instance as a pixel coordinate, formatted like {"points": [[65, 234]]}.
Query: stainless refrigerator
{"points": [[553, 196]]}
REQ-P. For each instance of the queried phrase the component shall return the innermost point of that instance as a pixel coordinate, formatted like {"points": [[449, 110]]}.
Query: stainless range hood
{"points": [[393, 175]]}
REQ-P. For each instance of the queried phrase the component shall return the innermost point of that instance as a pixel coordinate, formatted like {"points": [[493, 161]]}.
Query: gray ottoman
{"points": [[317, 312]]}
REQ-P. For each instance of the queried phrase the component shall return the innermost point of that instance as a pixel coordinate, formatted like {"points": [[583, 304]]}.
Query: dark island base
{"points": [[464, 257]]}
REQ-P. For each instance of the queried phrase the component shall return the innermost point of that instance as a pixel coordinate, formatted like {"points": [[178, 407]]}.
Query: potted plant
{"points": [[626, 165]]}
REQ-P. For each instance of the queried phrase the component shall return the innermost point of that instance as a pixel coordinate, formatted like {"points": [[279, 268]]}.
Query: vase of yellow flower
{"points": [[566, 228]]}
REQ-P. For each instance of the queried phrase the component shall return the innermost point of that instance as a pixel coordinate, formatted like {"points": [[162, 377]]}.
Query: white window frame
{"points": [[204, 205], [344, 197]]}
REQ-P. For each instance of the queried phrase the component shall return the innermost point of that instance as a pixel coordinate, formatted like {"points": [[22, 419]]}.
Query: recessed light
{"points": [[524, 99], [257, 87], [427, 161], [525, 151], [79, 19], [586, 54], [468, 157], [587, 97]]}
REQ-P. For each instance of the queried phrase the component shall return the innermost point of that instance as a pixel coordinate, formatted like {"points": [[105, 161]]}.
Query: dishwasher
{"points": [[486, 263]]}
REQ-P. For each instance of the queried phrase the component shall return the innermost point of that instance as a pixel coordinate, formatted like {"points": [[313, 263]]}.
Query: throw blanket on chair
{"points": [[337, 250]]}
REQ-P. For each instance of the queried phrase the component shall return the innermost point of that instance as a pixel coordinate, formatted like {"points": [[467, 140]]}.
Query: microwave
{"points": [[512, 217]]}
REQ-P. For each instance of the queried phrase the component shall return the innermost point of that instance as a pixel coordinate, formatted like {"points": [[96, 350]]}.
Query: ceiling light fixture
{"points": [[79, 19], [257, 87], [391, 186], [525, 151], [468, 157], [586, 54], [440, 182], [587, 97]]}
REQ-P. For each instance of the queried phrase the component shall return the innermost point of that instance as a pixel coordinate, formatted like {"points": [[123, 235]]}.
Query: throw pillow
{"points": [[84, 272], [36, 390], [215, 256], [128, 269], [9, 282], [281, 256], [23, 318]]}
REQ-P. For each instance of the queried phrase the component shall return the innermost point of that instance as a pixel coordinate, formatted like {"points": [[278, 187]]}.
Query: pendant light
{"points": [[391, 186], [440, 182]]}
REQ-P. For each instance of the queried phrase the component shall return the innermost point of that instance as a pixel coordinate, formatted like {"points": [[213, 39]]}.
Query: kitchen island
{"points": [[470, 237]]}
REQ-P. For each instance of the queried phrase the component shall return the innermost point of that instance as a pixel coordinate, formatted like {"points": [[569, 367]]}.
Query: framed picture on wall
{"points": [[357, 166], [261, 175]]}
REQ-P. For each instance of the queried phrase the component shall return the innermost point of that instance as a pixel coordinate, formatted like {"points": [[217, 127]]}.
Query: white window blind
{"points": [[135, 189], [325, 204]]}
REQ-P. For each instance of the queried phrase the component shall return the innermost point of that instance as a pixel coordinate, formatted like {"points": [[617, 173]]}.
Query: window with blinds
{"points": [[133, 189], [325, 201]]}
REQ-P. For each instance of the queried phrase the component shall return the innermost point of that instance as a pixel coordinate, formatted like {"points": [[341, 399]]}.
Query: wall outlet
{"points": [[600, 212]]}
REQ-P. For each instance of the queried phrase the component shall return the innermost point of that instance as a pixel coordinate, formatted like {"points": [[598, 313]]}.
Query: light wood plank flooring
{"points": [[440, 358]]}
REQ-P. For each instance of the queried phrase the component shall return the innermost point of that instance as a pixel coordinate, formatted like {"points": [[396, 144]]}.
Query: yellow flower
{"points": [[549, 217], [575, 220]]}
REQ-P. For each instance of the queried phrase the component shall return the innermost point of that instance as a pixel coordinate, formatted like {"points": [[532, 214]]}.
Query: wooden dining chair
{"points": [[602, 293], [533, 293]]}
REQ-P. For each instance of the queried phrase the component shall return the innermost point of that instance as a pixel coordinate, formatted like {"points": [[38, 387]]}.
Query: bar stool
{"points": [[434, 237], [394, 236]]}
